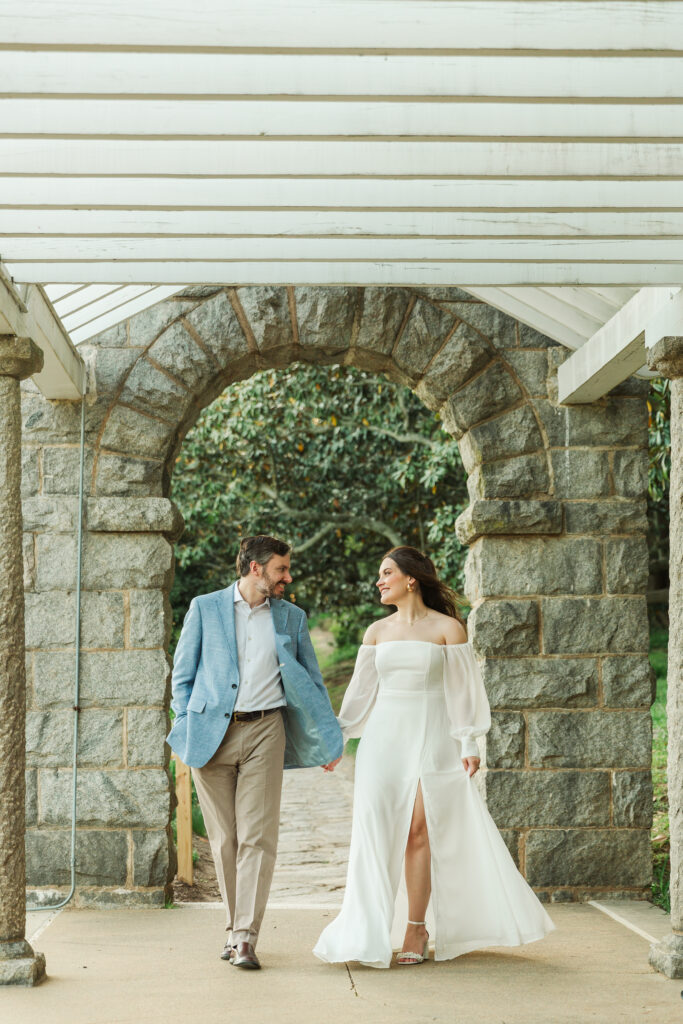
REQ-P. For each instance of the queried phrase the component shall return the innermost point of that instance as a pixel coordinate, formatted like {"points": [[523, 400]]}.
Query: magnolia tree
{"points": [[340, 463]]}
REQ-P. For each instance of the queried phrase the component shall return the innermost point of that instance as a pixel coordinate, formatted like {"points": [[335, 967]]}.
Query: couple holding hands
{"points": [[249, 700]]}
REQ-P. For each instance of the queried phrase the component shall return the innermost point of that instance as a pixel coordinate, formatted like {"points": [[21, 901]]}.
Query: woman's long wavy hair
{"points": [[435, 593]]}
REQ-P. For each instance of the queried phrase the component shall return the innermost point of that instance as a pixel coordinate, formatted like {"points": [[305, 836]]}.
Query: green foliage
{"points": [[661, 863], [659, 407], [338, 462]]}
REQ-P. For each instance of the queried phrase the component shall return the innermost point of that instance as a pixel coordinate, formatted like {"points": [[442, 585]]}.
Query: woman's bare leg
{"points": [[418, 876]]}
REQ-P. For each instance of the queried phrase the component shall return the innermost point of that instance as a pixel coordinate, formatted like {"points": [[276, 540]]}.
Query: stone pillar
{"points": [[666, 358], [19, 965]]}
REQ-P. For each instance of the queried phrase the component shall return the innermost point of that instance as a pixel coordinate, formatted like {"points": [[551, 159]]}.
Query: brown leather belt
{"points": [[251, 716]]}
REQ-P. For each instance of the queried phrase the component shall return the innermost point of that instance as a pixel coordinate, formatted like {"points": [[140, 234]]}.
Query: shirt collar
{"points": [[237, 597]]}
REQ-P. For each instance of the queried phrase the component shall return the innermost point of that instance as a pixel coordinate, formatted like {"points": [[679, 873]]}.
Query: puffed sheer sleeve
{"points": [[466, 701], [360, 695]]}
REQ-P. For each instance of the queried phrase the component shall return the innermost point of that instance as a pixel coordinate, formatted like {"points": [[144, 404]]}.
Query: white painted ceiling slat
{"points": [[568, 250], [270, 191], [440, 159], [126, 73], [114, 316], [96, 309], [56, 292], [273, 223], [82, 298], [367, 24], [585, 300], [516, 303], [368, 272], [616, 296], [261, 119], [536, 299]]}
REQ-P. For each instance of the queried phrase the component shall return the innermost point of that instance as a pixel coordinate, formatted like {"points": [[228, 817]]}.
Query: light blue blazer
{"points": [[206, 679]]}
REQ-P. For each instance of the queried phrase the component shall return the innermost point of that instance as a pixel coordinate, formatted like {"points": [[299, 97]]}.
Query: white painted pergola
{"points": [[527, 151]]}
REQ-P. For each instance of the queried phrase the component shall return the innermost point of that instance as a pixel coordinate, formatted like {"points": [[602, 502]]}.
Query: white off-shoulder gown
{"points": [[419, 707]]}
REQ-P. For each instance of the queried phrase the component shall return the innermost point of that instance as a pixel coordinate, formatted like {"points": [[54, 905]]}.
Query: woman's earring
{"points": [[410, 588]]}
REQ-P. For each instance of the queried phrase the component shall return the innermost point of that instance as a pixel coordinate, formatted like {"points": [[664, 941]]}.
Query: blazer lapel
{"points": [[279, 612], [226, 606]]}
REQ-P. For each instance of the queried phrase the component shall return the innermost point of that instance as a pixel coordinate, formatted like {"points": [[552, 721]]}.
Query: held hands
{"points": [[471, 765], [331, 766]]}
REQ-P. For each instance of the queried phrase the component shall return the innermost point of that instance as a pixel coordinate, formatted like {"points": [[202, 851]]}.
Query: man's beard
{"points": [[270, 587]]}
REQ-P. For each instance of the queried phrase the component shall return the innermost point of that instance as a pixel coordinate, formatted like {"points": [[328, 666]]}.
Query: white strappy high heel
{"points": [[414, 958]]}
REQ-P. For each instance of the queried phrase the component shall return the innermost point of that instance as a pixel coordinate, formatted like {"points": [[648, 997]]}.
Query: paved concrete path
{"points": [[315, 830], [162, 967]]}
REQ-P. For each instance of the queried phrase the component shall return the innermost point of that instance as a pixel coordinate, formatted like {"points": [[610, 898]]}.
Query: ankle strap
{"points": [[416, 922]]}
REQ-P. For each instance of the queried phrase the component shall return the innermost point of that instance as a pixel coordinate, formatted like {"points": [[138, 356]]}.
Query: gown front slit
{"points": [[419, 707]]}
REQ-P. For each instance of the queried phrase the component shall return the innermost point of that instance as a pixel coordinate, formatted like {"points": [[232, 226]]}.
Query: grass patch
{"points": [[661, 864]]}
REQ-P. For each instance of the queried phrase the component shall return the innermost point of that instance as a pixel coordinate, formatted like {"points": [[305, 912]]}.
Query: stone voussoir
{"points": [[515, 432], [489, 393]]}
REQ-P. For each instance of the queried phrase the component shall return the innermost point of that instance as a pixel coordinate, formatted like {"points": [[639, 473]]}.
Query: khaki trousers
{"points": [[239, 794]]}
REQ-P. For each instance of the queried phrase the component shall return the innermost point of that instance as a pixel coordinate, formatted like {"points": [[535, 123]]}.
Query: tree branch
{"points": [[335, 522]]}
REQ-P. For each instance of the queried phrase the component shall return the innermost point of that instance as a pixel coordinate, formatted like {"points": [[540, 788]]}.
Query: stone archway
{"points": [[556, 573]]}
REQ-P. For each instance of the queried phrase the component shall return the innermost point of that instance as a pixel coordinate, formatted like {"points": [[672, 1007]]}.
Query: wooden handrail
{"points": [[183, 789]]}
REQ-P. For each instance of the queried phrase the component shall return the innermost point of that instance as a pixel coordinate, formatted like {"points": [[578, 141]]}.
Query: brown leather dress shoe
{"points": [[228, 952], [245, 956]]}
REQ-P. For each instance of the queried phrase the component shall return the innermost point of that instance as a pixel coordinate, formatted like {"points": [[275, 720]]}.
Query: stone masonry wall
{"points": [[556, 573]]}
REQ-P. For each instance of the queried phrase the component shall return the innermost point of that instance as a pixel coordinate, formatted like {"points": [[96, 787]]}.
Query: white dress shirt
{"points": [[260, 681]]}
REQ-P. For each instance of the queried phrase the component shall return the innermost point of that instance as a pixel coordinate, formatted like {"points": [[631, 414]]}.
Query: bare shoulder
{"points": [[374, 631], [454, 632]]}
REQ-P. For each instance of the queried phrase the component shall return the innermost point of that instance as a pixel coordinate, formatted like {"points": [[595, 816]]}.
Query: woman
{"points": [[417, 698]]}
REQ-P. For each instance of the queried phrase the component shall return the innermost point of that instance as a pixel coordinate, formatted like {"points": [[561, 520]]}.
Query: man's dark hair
{"points": [[258, 549]]}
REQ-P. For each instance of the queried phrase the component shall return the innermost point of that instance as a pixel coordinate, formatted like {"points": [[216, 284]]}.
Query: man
{"points": [[248, 699]]}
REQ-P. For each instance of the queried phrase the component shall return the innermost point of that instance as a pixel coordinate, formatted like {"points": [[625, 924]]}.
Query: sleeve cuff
{"points": [[469, 748]]}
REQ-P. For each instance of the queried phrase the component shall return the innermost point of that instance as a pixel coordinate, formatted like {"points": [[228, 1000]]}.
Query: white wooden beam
{"points": [[273, 223], [335, 192], [357, 24], [111, 157], [352, 272], [197, 119], [17, 249], [30, 315], [667, 322], [614, 352], [130, 74]]}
